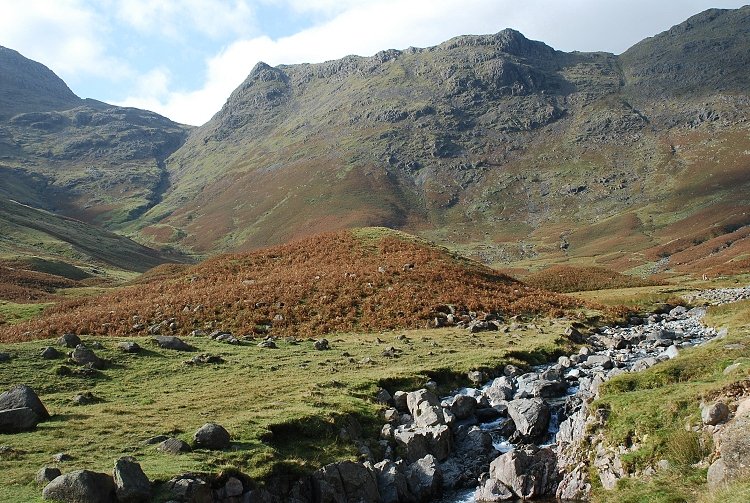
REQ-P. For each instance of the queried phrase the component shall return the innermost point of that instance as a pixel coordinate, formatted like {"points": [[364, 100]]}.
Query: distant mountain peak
{"points": [[28, 86]]}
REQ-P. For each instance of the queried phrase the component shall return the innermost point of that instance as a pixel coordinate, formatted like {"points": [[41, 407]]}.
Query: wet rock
{"points": [[418, 442], [392, 484], [425, 408], [531, 417], [81, 486], [346, 481], [131, 484], [491, 491], [425, 479], [212, 436], [529, 472], [501, 389], [463, 407]]}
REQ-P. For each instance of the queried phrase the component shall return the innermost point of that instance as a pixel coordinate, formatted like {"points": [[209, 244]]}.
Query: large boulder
{"points": [[46, 475], [81, 486], [734, 447], [346, 481], [463, 407], [212, 436], [715, 413], [492, 491], [417, 442], [529, 472], [392, 484], [424, 406], [501, 389], [531, 417], [85, 356], [20, 396], [131, 484], [425, 479], [18, 420]]}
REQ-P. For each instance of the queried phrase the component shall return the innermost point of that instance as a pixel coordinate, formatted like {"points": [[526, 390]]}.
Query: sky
{"points": [[182, 58]]}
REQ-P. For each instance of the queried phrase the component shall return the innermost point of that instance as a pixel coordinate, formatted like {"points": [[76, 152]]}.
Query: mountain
{"points": [[497, 145], [69, 166], [81, 158]]}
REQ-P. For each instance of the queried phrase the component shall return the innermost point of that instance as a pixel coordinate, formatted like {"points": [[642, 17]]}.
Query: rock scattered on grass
{"points": [[212, 436], [20, 396], [4, 357], [268, 343], [50, 353], [131, 484], [172, 342], [322, 345], [61, 457], [129, 347], [83, 355], [86, 398], [173, 446], [81, 486], [47, 475], [204, 358], [69, 340]]}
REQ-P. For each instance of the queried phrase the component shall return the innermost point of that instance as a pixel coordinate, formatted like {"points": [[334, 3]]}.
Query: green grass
{"points": [[10, 312], [653, 407], [300, 395]]}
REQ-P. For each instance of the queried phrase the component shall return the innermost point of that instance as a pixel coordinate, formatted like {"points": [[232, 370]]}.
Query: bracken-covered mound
{"points": [[566, 279], [368, 279], [23, 285]]}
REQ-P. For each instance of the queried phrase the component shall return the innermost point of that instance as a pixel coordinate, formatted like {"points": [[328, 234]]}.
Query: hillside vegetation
{"points": [[365, 280], [566, 279]]}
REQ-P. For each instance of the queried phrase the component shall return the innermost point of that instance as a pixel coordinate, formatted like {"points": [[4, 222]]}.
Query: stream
{"points": [[570, 383]]}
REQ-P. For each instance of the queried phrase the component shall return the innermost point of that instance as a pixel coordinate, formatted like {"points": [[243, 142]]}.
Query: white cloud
{"points": [[178, 18], [65, 34]]}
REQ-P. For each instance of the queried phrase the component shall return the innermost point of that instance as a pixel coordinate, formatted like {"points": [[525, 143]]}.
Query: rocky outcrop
{"points": [[527, 473]]}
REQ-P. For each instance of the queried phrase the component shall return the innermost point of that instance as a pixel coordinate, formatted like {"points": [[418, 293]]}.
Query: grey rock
{"points": [[463, 407], [50, 353], [718, 475], [62, 457], [4, 357], [190, 489], [85, 356], [212, 436], [346, 481], [671, 352], [156, 440], [20, 396], [491, 491], [322, 345], [268, 344], [18, 420], [233, 487], [131, 484], [574, 485], [69, 340], [81, 486], [383, 396], [425, 479], [531, 417], [529, 472], [472, 453], [173, 446], [602, 361], [392, 484], [129, 347], [400, 401], [501, 389], [417, 442], [172, 342], [85, 398], [425, 408], [47, 475], [715, 413]]}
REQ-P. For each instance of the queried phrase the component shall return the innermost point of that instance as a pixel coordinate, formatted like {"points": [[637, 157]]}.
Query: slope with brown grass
{"points": [[567, 278], [370, 279]]}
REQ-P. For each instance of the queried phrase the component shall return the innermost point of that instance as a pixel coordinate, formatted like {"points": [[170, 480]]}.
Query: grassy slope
{"points": [[300, 393], [344, 281]]}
